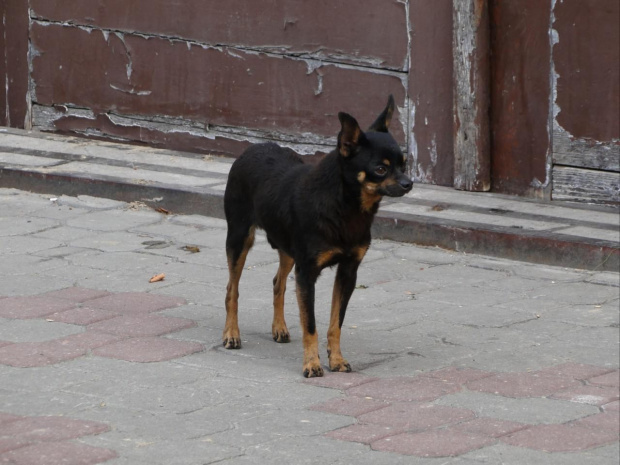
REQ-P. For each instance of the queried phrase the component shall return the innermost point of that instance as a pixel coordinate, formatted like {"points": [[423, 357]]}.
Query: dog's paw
{"points": [[339, 365], [281, 335], [313, 370], [232, 343]]}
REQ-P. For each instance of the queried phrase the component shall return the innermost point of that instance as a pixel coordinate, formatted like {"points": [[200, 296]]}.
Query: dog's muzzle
{"points": [[399, 188]]}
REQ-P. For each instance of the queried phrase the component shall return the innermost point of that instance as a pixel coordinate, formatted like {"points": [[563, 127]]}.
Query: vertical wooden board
{"points": [[133, 75], [471, 95], [373, 34], [586, 59], [520, 96], [430, 91], [14, 63]]}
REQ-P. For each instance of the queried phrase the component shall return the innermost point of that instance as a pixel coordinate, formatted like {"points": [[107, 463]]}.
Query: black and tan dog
{"points": [[316, 217]]}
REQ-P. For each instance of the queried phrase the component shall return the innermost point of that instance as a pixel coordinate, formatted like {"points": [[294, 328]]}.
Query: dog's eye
{"points": [[381, 170]]}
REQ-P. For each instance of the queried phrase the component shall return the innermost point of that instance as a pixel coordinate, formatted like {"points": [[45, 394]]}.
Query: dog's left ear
{"points": [[383, 121], [349, 135]]}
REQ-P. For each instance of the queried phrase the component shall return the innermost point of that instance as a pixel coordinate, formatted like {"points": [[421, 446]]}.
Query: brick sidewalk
{"points": [[458, 359]]}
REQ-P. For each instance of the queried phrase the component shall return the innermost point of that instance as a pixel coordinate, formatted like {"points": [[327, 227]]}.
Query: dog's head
{"points": [[373, 158]]}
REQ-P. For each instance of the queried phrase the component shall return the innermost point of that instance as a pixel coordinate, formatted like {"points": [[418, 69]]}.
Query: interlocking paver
{"points": [[523, 384], [32, 307], [435, 443], [58, 453], [560, 438], [420, 389], [51, 428], [351, 406], [491, 427], [141, 325], [83, 315], [594, 395], [575, 370], [364, 433], [601, 421], [609, 379], [340, 380], [148, 349], [135, 302], [458, 375], [76, 294], [416, 416]]}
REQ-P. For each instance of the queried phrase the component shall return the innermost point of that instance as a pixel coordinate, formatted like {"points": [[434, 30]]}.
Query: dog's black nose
{"points": [[405, 183]]}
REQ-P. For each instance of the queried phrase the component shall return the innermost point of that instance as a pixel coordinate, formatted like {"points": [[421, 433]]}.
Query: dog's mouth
{"points": [[398, 188]]}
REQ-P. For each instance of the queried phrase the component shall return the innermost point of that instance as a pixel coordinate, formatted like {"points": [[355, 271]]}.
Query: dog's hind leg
{"points": [[239, 241], [278, 328]]}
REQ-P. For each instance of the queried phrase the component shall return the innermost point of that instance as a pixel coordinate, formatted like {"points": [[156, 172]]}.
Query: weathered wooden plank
{"points": [[472, 162], [431, 145], [585, 153], [584, 185], [374, 34], [132, 75]]}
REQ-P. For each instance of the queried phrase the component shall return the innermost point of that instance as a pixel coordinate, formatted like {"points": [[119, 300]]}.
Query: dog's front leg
{"points": [[306, 278], [344, 284]]}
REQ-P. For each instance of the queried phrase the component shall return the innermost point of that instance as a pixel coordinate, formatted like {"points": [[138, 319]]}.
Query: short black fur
{"points": [[316, 217]]}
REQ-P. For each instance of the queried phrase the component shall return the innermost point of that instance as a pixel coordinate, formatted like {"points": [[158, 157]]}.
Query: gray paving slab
{"points": [[417, 310]]}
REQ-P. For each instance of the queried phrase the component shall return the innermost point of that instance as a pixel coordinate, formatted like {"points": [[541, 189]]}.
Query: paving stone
{"points": [[351, 406], [141, 325], [76, 294], [364, 433], [11, 443], [52, 428], [458, 375], [58, 453], [135, 302], [523, 384], [148, 349], [7, 417], [32, 307], [560, 438], [340, 381], [83, 315], [420, 389], [612, 406], [609, 379], [436, 443], [36, 330], [601, 421], [575, 370], [416, 416], [492, 427], [593, 395]]}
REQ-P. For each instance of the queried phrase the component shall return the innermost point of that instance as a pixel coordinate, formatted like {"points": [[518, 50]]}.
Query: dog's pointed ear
{"points": [[349, 135], [383, 121]]}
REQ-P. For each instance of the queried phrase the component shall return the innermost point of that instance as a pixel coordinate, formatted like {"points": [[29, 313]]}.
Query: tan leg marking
{"points": [[336, 361], [278, 328], [231, 336], [312, 363]]}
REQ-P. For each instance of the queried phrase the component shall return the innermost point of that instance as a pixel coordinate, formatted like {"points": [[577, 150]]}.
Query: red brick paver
{"points": [[416, 416], [491, 427], [609, 379], [593, 395], [560, 438], [58, 453], [148, 349], [109, 320], [435, 443], [340, 381], [523, 384], [44, 440], [364, 433], [351, 406], [419, 389]]}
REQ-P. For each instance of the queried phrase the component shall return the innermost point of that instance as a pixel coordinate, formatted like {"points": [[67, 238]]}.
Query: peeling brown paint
{"points": [[335, 30]]}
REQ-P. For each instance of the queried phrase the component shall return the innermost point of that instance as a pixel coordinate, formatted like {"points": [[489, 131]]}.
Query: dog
{"points": [[315, 217]]}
